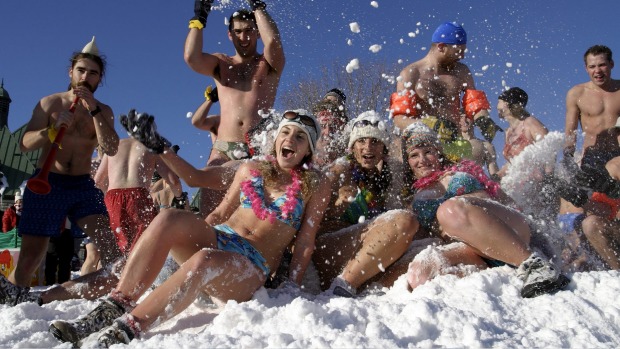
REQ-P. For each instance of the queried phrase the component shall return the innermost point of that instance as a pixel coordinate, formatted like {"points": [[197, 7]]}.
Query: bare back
{"points": [[132, 166], [244, 89]]}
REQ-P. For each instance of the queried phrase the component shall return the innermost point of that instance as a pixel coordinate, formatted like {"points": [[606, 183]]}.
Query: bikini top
{"points": [[274, 210], [461, 183], [516, 146]]}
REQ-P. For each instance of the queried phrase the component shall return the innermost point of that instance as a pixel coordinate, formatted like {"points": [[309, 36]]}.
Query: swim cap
{"points": [[514, 95], [450, 33], [339, 95]]}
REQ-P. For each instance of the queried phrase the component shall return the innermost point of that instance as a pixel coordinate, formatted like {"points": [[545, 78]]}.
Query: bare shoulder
{"points": [[576, 90]]}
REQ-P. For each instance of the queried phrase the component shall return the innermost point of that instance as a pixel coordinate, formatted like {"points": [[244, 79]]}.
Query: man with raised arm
{"points": [[439, 89], [89, 123], [246, 82]]}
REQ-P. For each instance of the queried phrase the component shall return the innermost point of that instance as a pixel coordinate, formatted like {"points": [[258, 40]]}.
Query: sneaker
{"points": [[539, 277], [12, 294], [341, 288], [118, 333], [73, 331]]}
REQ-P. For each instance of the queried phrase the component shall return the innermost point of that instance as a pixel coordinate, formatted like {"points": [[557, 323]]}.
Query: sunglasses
{"points": [[302, 119], [364, 123]]}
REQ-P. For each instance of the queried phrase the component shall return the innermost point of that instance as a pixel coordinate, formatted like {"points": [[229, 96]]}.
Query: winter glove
{"points": [[257, 4], [201, 12], [598, 179], [142, 127], [487, 127], [211, 94]]}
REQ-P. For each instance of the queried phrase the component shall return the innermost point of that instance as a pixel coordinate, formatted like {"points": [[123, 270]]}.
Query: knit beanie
{"points": [[368, 125]]}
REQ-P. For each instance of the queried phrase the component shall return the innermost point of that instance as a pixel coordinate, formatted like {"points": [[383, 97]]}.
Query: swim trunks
{"points": [[233, 150], [229, 240], [570, 222], [131, 210], [73, 197]]}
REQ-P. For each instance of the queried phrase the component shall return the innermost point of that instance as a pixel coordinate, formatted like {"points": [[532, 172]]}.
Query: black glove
{"points": [[201, 10], [142, 127], [487, 127], [211, 94], [571, 193], [180, 202], [598, 179], [257, 4]]}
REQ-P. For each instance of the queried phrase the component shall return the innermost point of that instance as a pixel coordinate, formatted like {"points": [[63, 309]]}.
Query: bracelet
{"points": [[95, 112], [194, 23]]}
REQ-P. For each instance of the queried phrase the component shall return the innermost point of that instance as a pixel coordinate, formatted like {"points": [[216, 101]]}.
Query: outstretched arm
{"points": [[213, 177], [200, 62]]}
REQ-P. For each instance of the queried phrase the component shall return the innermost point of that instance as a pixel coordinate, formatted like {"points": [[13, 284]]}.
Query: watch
{"points": [[95, 112]]}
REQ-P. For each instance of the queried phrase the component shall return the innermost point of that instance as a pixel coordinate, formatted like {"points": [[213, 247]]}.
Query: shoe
{"points": [[117, 333], [12, 294], [73, 331], [341, 288], [539, 277]]}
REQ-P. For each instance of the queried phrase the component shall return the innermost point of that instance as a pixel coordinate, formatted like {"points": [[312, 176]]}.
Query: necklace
{"points": [[257, 200]]}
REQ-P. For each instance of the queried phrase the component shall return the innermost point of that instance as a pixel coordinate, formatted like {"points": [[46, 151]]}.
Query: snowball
{"points": [[508, 64], [349, 42], [353, 65], [411, 34], [374, 4], [354, 27], [485, 67], [375, 48], [189, 114], [362, 219]]}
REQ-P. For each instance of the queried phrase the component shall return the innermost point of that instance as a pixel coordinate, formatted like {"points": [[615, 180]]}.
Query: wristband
{"points": [[195, 24], [95, 112]]}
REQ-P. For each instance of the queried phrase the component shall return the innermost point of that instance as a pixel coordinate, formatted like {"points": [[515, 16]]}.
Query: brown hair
{"points": [[241, 15], [598, 50]]}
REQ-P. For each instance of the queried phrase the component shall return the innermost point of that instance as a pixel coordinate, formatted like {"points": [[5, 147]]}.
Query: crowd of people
{"points": [[362, 200]]}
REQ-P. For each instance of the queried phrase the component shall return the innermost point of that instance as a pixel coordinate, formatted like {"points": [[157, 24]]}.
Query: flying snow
{"points": [[189, 114], [374, 4], [353, 65], [375, 48], [355, 28]]}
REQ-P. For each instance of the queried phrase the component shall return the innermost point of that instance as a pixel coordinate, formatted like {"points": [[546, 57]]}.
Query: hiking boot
{"points": [[118, 333], [539, 277], [12, 294], [73, 331], [341, 288]]}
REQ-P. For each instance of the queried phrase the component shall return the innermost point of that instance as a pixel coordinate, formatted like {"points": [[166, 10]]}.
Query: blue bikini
{"points": [[229, 240], [461, 183]]}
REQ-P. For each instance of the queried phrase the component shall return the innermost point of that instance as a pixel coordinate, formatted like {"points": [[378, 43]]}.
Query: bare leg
{"points": [[495, 231], [603, 235], [433, 262], [97, 227], [90, 286], [179, 232], [31, 255], [223, 275], [92, 261]]}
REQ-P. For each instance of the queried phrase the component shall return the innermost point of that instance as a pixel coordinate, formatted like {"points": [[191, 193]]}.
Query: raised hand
{"points": [[201, 10], [142, 127], [256, 4]]}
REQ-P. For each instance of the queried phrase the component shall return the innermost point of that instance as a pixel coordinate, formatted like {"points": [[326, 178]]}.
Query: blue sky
{"points": [[537, 45]]}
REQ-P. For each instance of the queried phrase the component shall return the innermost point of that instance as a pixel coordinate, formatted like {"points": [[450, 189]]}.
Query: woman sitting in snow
{"points": [[359, 236], [456, 202], [269, 204]]}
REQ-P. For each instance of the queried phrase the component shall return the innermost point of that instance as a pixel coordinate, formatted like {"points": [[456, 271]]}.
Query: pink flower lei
{"points": [[467, 166], [258, 204]]}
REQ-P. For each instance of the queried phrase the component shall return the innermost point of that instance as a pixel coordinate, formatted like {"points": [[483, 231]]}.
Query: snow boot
{"points": [[539, 277], [73, 331]]}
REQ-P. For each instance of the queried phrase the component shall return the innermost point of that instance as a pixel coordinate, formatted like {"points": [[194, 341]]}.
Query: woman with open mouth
{"points": [[270, 204], [359, 237]]}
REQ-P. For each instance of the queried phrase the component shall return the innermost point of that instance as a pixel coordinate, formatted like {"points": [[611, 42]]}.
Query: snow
{"points": [[355, 28], [354, 64], [481, 310]]}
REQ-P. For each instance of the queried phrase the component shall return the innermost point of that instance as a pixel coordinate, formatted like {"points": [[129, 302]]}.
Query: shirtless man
{"points": [[595, 106], [246, 82], [431, 89], [73, 193], [125, 178]]}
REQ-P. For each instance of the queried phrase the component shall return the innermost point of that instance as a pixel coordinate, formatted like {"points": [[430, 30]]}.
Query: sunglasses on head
{"points": [[301, 119], [364, 123]]}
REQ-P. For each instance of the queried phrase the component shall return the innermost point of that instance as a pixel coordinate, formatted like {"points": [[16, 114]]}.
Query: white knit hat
{"points": [[18, 197], [368, 125], [312, 132]]}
